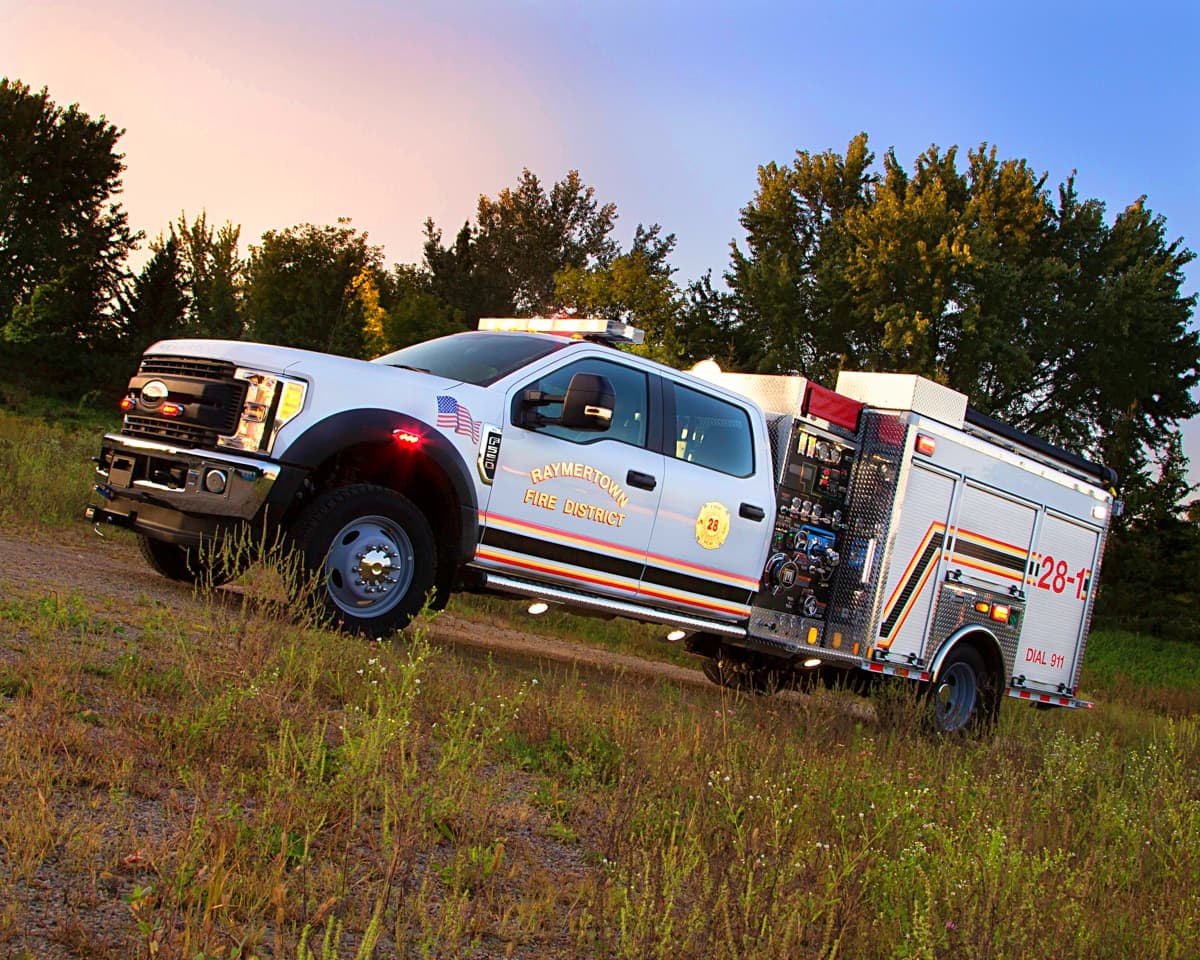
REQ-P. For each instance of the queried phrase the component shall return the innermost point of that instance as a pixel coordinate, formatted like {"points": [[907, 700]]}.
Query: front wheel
{"points": [[964, 697], [203, 565], [373, 553]]}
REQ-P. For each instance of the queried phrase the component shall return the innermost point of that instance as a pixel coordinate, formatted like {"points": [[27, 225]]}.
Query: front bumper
{"points": [[181, 495]]}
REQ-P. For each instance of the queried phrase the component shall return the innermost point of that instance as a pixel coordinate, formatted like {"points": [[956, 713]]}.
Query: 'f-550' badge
{"points": [[712, 525]]}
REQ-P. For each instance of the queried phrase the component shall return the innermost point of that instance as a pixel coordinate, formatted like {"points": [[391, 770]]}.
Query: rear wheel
{"points": [[373, 554], [965, 696]]}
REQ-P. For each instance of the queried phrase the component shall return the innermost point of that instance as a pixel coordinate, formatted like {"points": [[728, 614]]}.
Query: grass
{"points": [[221, 781]]}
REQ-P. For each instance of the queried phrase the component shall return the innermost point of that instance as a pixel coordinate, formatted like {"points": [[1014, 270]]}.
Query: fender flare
{"points": [[373, 425], [969, 630]]}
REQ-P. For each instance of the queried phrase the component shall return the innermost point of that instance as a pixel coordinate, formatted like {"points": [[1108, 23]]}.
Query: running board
{"points": [[635, 611]]}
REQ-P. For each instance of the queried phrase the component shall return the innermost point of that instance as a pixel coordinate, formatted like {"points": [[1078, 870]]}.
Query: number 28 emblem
{"points": [[712, 525]]}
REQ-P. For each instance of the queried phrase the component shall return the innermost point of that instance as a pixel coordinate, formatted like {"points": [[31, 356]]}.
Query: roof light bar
{"points": [[577, 328]]}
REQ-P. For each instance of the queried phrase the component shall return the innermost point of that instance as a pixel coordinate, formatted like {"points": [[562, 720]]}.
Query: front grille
{"points": [[159, 428], [212, 400], [195, 367]]}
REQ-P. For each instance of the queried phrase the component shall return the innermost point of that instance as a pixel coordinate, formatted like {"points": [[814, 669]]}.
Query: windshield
{"points": [[479, 358]]}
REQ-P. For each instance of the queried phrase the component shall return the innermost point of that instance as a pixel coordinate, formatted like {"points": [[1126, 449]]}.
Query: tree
{"points": [[977, 279], [415, 313], [63, 239], [212, 275], [304, 287], [506, 263], [634, 287], [157, 305]]}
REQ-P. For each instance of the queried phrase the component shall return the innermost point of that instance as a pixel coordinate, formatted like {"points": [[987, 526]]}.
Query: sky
{"points": [[270, 113]]}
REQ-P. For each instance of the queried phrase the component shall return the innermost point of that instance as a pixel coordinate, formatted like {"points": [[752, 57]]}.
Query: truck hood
{"points": [[303, 364]]}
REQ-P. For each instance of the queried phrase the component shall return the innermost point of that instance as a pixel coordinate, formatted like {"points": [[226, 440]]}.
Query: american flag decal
{"points": [[452, 415]]}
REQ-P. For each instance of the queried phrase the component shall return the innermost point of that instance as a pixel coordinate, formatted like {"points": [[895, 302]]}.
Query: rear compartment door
{"points": [[1059, 591]]}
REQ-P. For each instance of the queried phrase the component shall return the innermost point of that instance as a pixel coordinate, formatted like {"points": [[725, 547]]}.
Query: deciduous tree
{"points": [[301, 287], [63, 236]]}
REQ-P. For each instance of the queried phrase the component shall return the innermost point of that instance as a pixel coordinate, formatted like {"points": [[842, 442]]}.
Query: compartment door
{"points": [[1059, 592], [915, 559]]}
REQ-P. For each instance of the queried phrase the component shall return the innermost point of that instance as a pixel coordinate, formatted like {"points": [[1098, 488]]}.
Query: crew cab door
{"points": [[575, 507], [716, 515]]}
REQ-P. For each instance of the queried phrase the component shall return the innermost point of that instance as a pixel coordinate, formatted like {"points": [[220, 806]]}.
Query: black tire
{"points": [[965, 697], [173, 561], [373, 555], [742, 675], [207, 565]]}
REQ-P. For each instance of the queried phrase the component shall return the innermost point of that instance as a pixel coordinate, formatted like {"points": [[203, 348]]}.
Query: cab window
{"points": [[711, 433], [629, 414]]}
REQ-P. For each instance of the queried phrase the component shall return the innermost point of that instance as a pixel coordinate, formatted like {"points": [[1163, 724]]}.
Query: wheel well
{"points": [[982, 643], [408, 472]]}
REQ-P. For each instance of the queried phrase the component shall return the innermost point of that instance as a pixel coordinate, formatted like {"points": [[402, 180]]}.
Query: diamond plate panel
{"points": [[903, 391], [956, 609], [874, 487]]}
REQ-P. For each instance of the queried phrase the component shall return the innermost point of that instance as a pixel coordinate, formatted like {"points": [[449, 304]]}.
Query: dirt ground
{"points": [[78, 560]]}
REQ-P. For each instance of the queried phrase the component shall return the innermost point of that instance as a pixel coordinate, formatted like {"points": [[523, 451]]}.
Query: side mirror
{"points": [[589, 403]]}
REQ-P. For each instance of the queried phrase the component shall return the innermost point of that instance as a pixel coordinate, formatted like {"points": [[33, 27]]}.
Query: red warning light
{"points": [[407, 437], [169, 409], [926, 444], [127, 403]]}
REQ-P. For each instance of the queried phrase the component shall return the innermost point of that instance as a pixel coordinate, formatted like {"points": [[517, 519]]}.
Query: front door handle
{"points": [[751, 512], [644, 481]]}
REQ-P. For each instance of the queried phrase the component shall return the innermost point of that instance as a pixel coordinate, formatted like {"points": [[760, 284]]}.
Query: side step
{"points": [[622, 608]]}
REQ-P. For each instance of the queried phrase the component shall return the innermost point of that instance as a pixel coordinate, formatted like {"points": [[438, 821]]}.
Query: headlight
{"points": [[271, 401]]}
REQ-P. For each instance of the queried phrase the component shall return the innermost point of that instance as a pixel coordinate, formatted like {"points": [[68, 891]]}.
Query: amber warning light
{"points": [[926, 444]]}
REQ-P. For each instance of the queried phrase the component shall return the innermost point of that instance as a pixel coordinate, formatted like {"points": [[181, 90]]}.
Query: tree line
{"points": [[975, 272]]}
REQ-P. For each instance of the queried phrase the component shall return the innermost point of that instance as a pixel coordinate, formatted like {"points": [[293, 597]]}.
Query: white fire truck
{"points": [[785, 529]]}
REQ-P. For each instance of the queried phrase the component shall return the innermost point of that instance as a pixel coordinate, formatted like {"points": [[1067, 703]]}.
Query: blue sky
{"points": [[269, 114]]}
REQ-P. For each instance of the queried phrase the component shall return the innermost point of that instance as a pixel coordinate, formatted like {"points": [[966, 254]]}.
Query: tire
{"points": [[372, 553], [742, 675], [173, 561], [207, 565], [965, 697]]}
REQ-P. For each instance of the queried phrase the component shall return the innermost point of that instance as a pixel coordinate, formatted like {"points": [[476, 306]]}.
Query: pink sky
{"points": [[270, 114]]}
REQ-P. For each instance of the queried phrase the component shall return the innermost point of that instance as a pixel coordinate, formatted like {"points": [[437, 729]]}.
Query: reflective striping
{"points": [[525, 562], [993, 556], [913, 580], [1033, 696], [691, 600], [548, 550], [909, 673], [746, 583], [668, 578], [544, 566], [701, 576], [542, 531]]}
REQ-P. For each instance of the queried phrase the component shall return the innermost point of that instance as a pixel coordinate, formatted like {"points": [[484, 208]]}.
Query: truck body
{"points": [[785, 529]]}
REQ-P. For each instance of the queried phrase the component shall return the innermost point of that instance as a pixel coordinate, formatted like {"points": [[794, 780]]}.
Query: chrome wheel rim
{"points": [[370, 566], [955, 697]]}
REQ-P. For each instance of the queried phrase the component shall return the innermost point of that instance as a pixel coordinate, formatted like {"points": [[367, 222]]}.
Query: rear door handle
{"points": [[644, 481], [751, 512]]}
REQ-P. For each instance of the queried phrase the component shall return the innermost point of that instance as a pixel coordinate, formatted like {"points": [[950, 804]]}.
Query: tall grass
{"points": [[225, 783], [46, 469], [231, 780]]}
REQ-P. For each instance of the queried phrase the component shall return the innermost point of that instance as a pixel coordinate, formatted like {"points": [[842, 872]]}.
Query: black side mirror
{"points": [[589, 403]]}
